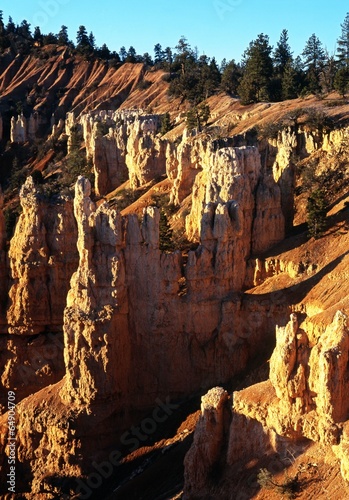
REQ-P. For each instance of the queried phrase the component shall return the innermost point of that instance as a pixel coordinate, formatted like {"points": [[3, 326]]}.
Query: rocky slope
{"points": [[100, 325]]}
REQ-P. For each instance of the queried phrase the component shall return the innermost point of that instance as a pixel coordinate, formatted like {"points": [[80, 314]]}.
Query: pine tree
{"points": [[62, 36], [313, 62], [49, 39], [341, 81], [316, 213], [82, 40], [159, 55], [198, 116], [104, 52], [188, 83], [147, 60], [122, 54], [328, 73], [258, 71], [131, 55], [166, 124], [4, 42], [24, 29], [10, 27], [290, 84], [231, 74], [185, 56], [168, 59], [208, 78], [92, 40], [343, 44], [282, 54], [38, 38], [214, 75]]}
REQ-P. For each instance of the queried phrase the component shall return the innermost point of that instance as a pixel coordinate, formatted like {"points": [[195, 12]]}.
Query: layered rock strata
{"points": [[136, 319], [122, 145], [42, 258], [35, 279], [130, 332]]}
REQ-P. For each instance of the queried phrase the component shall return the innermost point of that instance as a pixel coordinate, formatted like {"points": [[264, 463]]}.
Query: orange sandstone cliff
{"points": [[99, 323]]}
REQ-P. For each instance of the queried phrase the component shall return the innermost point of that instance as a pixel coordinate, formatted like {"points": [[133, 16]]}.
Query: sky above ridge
{"points": [[218, 28]]}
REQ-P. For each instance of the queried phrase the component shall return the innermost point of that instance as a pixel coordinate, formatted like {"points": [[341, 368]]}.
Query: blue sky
{"points": [[220, 28]]}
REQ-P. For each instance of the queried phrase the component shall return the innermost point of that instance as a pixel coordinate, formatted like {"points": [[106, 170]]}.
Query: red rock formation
{"points": [[42, 258], [3, 266], [95, 319], [305, 397], [209, 444]]}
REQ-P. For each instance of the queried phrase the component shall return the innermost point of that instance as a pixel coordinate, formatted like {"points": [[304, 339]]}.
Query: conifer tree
{"points": [[258, 71], [92, 40], [131, 55], [282, 54], [159, 55], [291, 81], [122, 54], [198, 116], [313, 62], [231, 75], [10, 27], [316, 213], [82, 40], [24, 29], [62, 36], [343, 44], [328, 72], [341, 81], [38, 38]]}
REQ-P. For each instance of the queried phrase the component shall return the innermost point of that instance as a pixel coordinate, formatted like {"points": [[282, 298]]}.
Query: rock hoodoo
{"points": [[305, 397]]}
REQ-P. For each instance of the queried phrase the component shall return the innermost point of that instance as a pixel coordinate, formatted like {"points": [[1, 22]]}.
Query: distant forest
{"points": [[264, 73]]}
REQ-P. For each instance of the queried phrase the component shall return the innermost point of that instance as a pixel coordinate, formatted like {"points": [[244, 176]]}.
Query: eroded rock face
{"points": [[146, 153], [310, 382], [18, 129], [95, 319], [125, 292], [305, 397], [35, 282], [208, 445], [122, 145], [3, 266], [184, 161], [234, 178], [42, 257]]}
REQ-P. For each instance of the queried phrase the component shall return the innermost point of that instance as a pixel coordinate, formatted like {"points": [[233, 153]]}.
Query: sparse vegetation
{"points": [[144, 84], [287, 489], [166, 124], [102, 128], [316, 213], [76, 163], [197, 117]]}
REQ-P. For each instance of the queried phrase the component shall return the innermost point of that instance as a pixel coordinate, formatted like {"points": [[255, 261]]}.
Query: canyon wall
{"points": [[141, 324], [130, 332]]}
